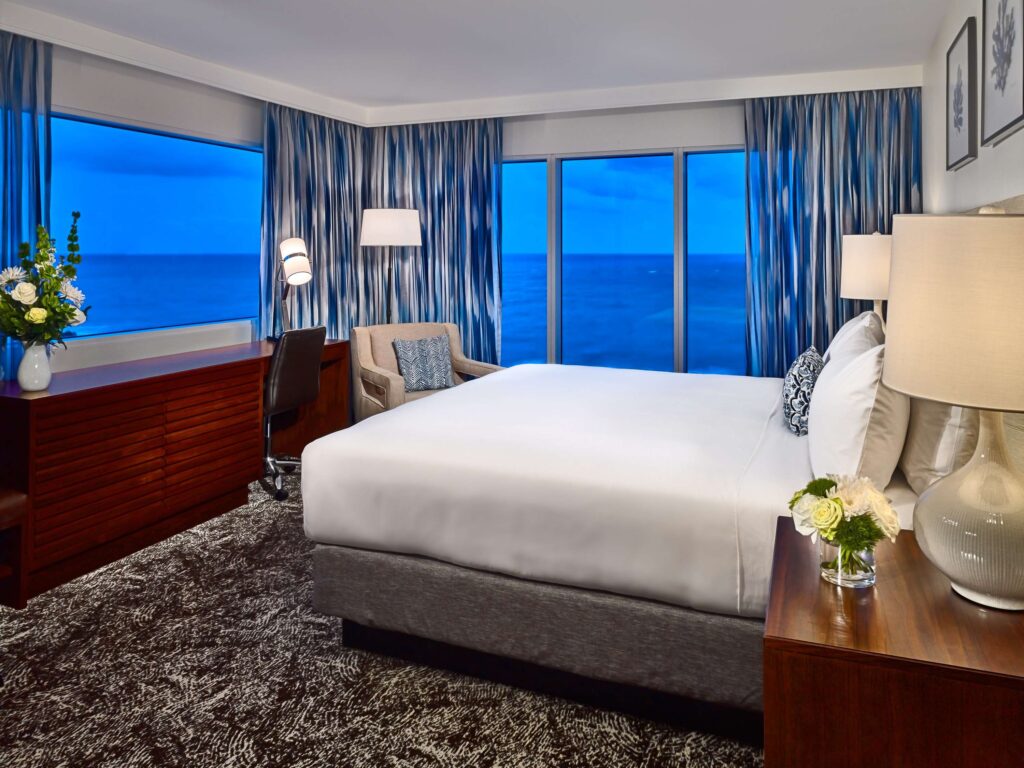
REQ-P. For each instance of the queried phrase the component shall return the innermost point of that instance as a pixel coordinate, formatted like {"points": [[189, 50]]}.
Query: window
{"points": [[716, 263], [170, 227], [617, 262], [524, 268], [622, 228]]}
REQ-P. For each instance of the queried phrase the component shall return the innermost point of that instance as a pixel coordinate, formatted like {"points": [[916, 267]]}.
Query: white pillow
{"points": [[860, 334], [941, 439], [857, 425]]}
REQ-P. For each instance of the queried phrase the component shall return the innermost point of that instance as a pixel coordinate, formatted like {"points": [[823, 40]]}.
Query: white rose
{"points": [[78, 318], [25, 293], [802, 512]]}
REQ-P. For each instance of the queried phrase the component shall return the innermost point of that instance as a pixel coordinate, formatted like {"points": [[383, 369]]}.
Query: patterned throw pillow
{"points": [[797, 389], [425, 363]]}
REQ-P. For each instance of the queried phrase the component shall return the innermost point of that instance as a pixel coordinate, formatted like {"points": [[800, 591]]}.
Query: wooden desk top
{"points": [[71, 382], [911, 613]]}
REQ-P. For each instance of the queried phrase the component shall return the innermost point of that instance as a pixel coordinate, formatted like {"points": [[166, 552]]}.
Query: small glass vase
{"points": [[844, 567]]}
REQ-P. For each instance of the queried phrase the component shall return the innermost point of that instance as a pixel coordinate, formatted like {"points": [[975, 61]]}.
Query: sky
{"points": [[142, 193], [625, 204]]}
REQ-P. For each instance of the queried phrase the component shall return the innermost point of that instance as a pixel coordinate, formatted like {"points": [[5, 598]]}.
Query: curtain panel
{"points": [[819, 167], [450, 173], [25, 75], [319, 175], [313, 189]]}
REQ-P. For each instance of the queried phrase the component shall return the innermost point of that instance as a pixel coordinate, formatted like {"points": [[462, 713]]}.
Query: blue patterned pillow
{"points": [[797, 389], [425, 363]]}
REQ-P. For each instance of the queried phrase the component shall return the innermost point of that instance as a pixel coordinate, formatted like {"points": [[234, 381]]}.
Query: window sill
{"points": [[121, 348]]}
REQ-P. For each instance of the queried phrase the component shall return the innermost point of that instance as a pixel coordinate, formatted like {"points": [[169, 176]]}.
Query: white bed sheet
{"points": [[655, 485]]}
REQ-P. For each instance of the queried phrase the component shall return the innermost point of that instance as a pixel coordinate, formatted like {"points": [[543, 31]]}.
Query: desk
{"points": [[117, 457], [906, 673]]}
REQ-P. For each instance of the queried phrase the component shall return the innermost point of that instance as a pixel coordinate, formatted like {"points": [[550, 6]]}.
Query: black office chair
{"points": [[293, 380]]}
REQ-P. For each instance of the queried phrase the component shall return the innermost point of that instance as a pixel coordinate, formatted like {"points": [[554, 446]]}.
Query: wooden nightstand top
{"points": [[911, 613]]}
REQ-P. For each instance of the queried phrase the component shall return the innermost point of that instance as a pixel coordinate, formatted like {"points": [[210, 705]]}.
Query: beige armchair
{"points": [[379, 386]]}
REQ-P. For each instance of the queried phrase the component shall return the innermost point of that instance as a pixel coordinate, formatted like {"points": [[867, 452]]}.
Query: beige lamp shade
{"points": [[295, 261], [865, 266], [956, 315], [390, 226]]}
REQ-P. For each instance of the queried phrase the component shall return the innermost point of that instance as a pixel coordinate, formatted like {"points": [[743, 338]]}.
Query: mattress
{"points": [[654, 485]]}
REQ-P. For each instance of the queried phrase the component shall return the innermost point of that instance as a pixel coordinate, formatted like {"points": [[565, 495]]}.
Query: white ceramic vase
{"points": [[34, 372]]}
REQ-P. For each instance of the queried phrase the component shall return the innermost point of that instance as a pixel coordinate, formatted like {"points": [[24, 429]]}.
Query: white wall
{"points": [[998, 172], [689, 125], [93, 87]]}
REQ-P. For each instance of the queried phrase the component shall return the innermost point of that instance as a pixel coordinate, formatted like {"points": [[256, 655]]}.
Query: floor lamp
{"points": [[295, 270], [865, 269], [387, 228]]}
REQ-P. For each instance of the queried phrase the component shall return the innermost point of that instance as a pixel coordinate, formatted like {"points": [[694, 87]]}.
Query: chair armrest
{"points": [[380, 385], [466, 367]]}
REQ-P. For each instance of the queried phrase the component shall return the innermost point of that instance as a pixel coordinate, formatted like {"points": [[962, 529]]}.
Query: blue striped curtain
{"points": [[320, 173], [819, 167], [25, 74], [451, 173], [312, 188]]}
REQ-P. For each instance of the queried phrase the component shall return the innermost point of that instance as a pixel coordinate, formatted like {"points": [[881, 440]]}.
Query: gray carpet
{"points": [[204, 651]]}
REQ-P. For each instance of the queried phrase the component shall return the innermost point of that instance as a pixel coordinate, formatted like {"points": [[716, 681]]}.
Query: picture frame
{"points": [[961, 97], [1002, 87]]}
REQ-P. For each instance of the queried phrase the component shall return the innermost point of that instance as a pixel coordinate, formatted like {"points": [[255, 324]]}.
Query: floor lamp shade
{"points": [[390, 226], [956, 335], [295, 261], [865, 267], [956, 314]]}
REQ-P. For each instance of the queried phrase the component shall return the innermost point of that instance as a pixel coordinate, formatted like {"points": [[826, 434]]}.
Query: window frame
{"points": [[554, 239], [228, 323]]}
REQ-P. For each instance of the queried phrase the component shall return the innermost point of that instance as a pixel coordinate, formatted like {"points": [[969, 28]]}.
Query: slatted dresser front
{"points": [[118, 457]]}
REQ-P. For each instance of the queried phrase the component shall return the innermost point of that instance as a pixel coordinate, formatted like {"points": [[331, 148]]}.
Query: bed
{"points": [[613, 524]]}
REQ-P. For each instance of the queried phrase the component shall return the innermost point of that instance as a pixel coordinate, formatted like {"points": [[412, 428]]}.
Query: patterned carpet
{"points": [[203, 651]]}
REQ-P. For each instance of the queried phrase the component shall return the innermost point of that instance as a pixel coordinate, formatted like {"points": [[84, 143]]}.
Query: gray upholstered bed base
{"points": [[595, 634]]}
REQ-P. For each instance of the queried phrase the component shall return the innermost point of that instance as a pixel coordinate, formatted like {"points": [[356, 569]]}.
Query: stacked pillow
{"points": [[941, 439], [857, 426]]}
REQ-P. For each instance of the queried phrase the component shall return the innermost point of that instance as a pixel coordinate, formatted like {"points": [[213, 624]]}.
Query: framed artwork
{"points": [[961, 113], [1002, 87]]}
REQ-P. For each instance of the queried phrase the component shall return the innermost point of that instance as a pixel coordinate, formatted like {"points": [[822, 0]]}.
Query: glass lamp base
{"points": [[971, 523], [1002, 603]]}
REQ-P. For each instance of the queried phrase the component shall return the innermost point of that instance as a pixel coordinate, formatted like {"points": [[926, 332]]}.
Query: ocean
{"points": [[137, 293], [617, 311]]}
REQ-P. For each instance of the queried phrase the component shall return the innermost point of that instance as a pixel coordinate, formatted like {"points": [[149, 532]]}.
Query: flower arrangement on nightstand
{"points": [[849, 516]]}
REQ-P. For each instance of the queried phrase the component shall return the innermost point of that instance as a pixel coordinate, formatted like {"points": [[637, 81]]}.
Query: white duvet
{"points": [[654, 485]]}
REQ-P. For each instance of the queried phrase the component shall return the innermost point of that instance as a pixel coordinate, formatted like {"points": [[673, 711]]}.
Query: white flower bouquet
{"points": [[39, 300], [849, 516]]}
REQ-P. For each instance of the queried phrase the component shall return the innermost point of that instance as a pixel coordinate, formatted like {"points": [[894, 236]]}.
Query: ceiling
{"points": [[398, 53]]}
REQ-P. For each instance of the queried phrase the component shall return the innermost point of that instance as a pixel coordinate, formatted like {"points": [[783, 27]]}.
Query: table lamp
{"points": [[295, 270], [390, 227], [865, 269], [956, 335]]}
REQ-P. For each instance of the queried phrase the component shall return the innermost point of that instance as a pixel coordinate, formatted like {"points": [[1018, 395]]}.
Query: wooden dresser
{"points": [[906, 673], [117, 457]]}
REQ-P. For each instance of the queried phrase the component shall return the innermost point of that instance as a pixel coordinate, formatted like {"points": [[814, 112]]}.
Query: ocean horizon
{"points": [[618, 311]]}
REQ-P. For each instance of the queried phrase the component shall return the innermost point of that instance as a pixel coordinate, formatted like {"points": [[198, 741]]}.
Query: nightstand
{"points": [[905, 673]]}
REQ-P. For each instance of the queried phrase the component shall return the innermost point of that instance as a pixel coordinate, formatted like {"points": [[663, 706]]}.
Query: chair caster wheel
{"points": [[280, 495], [288, 470]]}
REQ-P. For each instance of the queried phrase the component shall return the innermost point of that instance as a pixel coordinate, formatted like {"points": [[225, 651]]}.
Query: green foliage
{"points": [[46, 317], [856, 534], [819, 487]]}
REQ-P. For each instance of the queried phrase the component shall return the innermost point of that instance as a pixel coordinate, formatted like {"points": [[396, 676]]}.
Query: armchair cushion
{"points": [[425, 364]]}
